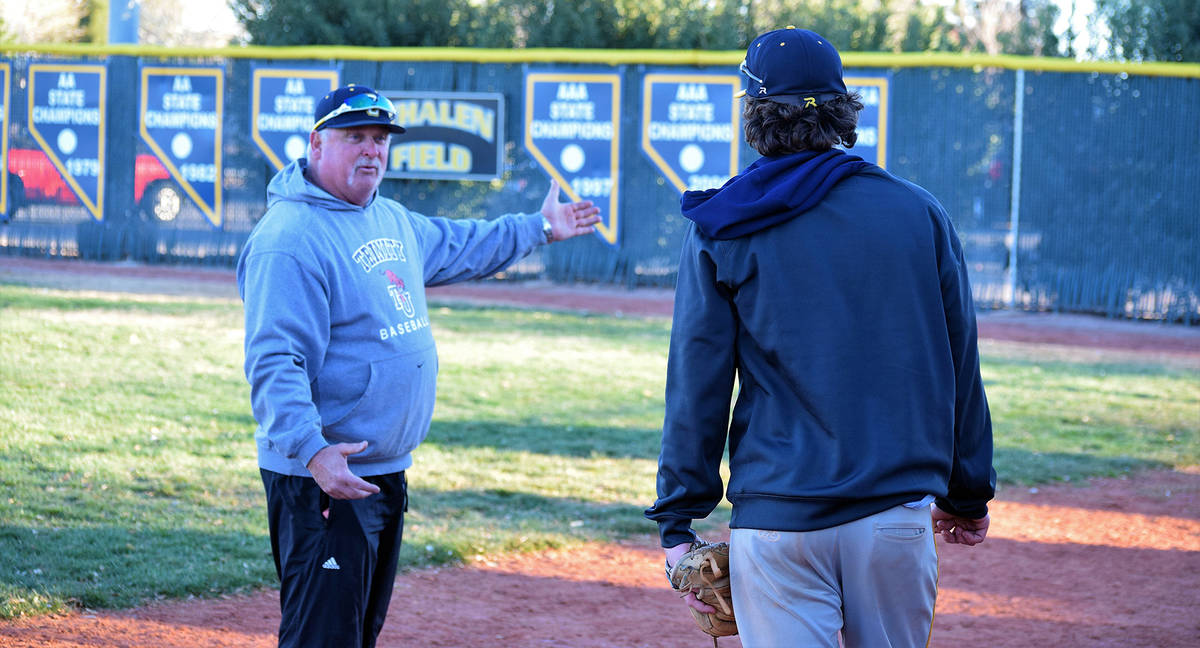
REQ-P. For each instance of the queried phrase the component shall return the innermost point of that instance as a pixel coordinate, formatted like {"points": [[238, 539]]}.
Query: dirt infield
{"points": [[1112, 563]]}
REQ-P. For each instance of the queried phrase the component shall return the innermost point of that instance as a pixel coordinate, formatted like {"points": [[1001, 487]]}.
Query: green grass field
{"points": [[127, 468]]}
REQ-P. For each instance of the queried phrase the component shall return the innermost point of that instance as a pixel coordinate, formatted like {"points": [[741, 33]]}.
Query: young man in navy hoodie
{"points": [[835, 297], [341, 360]]}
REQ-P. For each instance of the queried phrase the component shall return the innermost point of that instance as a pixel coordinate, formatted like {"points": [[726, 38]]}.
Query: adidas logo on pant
{"points": [[330, 564]]}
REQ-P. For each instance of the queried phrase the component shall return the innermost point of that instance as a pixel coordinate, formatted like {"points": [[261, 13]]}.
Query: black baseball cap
{"points": [[793, 66], [355, 105]]}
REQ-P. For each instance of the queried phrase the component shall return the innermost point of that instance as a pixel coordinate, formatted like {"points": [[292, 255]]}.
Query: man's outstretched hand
{"points": [[568, 220]]}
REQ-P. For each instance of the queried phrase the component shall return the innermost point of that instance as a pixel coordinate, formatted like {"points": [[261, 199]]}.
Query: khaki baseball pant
{"points": [[870, 583]]}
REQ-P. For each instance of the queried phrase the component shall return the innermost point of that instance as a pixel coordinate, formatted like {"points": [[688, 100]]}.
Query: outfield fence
{"points": [[1074, 186]]}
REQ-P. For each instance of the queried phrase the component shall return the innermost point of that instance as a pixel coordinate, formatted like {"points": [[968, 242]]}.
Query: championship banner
{"points": [[572, 128], [180, 120], [873, 120], [449, 136], [5, 77], [282, 102], [690, 128], [66, 117]]}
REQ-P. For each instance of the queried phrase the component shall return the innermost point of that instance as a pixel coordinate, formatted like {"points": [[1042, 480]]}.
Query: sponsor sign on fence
{"points": [[449, 136]]}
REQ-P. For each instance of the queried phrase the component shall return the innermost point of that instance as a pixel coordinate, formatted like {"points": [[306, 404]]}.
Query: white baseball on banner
{"points": [[572, 158], [691, 158], [181, 146], [294, 147], [67, 141]]}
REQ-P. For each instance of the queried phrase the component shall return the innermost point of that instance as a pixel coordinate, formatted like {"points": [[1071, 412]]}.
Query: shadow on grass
{"points": [[105, 565], [502, 508], [1013, 465], [108, 566], [115, 567], [580, 441], [1027, 467], [469, 319]]}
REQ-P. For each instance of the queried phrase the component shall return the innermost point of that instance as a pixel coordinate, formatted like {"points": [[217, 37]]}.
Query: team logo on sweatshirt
{"points": [[400, 297], [381, 250], [403, 301]]}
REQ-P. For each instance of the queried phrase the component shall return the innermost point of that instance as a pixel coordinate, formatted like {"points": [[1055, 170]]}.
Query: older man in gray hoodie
{"points": [[341, 360]]}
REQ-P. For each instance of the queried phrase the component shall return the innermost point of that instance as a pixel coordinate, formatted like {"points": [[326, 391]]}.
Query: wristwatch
{"points": [[547, 230]]}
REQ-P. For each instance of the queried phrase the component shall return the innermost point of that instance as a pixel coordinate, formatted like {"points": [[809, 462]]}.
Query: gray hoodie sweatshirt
{"points": [[338, 341]]}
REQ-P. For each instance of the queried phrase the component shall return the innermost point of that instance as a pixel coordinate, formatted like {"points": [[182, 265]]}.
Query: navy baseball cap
{"points": [[793, 66], [355, 105]]}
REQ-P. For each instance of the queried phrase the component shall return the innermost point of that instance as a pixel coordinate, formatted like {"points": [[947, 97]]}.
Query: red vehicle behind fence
{"points": [[33, 178]]}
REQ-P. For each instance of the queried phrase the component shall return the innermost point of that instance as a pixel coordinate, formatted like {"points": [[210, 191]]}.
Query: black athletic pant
{"points": [[335, 573]]}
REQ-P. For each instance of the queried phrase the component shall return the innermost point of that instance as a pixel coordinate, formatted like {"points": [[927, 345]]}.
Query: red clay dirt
{"points": [[1111, 563]]}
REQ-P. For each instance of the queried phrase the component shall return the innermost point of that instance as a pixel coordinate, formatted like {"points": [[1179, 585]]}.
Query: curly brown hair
{"points": [[775, 128]]}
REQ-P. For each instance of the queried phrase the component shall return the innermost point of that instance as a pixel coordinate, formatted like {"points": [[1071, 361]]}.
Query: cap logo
{"points": [[359, 106], [809, 102]]}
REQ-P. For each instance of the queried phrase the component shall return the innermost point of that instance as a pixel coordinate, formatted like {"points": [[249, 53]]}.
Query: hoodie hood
{"points": [[770, 191], [291, 185]]}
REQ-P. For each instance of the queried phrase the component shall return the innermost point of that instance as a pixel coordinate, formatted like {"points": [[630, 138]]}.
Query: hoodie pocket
{"points": [[395, 409]]}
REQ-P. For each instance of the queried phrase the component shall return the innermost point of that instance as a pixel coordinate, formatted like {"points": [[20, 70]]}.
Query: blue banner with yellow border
{"points": [[873, 120], [282, 103], [5, 96], [572, 129], [66, 118], [180, 120], [690, 127]]}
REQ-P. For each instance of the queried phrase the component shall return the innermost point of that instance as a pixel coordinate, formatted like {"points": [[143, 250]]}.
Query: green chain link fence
{"points": [[1092, 170]]}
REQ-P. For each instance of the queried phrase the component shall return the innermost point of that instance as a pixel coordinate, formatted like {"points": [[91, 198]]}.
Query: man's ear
{"points": [[314, 145]]}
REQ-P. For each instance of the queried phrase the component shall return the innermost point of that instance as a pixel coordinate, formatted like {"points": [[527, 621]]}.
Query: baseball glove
{"points": [[704, 569]]}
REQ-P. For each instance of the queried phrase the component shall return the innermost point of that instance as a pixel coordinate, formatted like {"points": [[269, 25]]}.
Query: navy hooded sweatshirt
{"points": [[835, 297]]}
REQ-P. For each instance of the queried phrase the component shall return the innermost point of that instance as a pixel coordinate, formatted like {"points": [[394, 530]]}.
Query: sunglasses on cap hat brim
{"points": [[371, 103]]}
